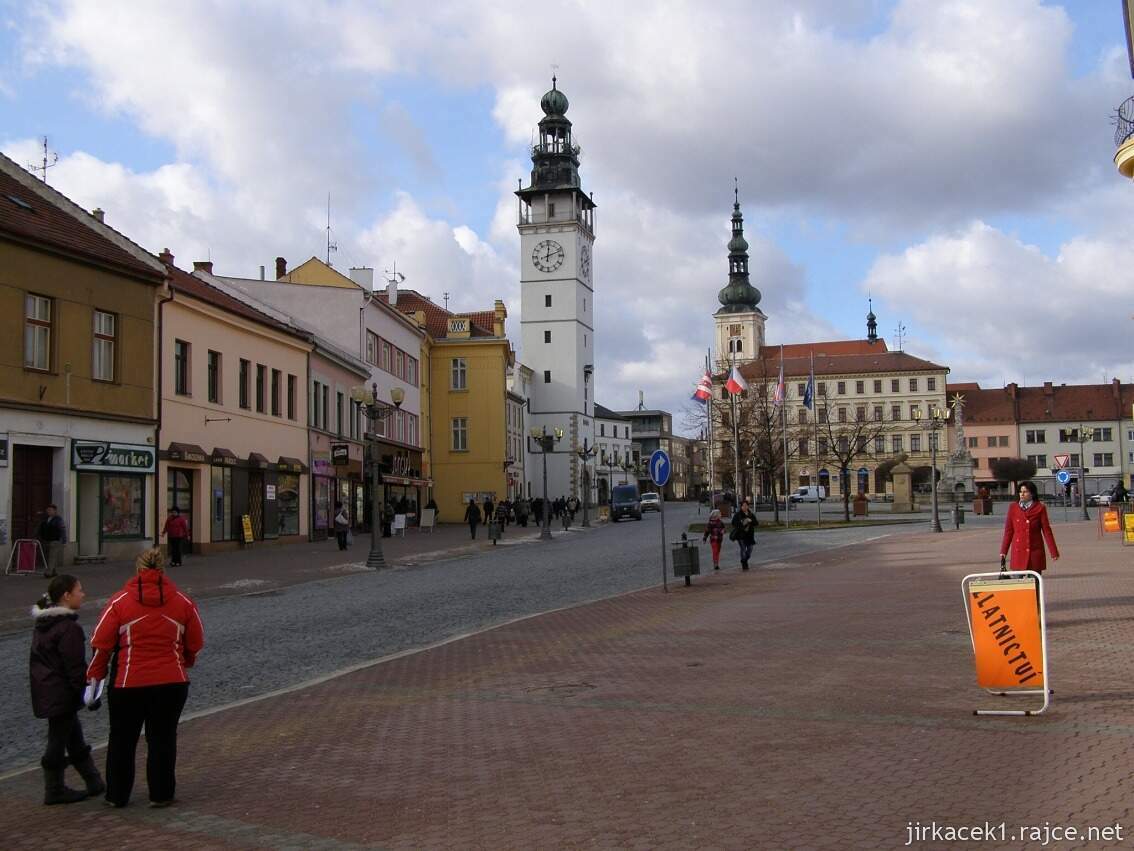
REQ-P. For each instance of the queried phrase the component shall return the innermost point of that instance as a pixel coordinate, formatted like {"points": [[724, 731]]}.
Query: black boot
{"points": [[55, 792], [88, 771], [744, 565]]}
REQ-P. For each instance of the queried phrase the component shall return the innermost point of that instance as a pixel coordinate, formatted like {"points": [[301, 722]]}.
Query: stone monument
{"points": [[957, 479], [902, 474]]}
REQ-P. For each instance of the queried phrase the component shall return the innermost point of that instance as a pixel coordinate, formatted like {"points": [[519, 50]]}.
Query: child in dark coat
{"points": [[58, 675]]}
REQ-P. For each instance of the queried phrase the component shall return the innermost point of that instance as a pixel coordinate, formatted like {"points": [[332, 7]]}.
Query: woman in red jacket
{"points": [[1025, 530], [178, 531], [154, 633]]}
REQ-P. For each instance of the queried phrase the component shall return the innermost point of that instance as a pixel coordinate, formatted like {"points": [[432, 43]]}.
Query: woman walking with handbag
{"points": [[155, 632], [58, 663], [1025, 529], [714, 534], [744, 525]]}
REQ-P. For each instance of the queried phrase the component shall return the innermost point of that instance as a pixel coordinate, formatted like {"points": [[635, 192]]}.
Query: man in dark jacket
{"points": [[52, 536]]}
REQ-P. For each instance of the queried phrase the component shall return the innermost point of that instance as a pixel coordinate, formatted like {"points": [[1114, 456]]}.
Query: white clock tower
{"points": [[557, 233]]}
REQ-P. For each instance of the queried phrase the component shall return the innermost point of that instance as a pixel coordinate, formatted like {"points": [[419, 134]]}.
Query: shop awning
{"points": [[255, 459], [224, 457], [406, 480], [291, 465], [185, 452]]}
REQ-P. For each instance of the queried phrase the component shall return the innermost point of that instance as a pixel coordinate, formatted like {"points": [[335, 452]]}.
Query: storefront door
{"points": [[256, 503], [31, 488]]}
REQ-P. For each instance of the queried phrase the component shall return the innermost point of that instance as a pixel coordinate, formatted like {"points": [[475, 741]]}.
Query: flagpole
{"points": [[735, 439], [818, 496], [783, 404], [712, 446]]}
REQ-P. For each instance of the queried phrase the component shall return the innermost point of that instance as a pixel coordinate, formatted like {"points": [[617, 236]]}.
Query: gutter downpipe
{"points": [[160, 393]]}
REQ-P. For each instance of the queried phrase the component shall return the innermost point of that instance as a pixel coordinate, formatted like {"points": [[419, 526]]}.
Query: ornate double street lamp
{"points": [[586, 454], [376, 412], [546, 443], [935, 422], [1086, 433]]}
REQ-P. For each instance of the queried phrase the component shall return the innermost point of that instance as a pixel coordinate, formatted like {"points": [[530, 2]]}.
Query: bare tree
{"points": [[846, 435], [1014, 470]]}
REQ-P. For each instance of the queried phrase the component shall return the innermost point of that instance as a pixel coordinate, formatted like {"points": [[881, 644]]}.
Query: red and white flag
{"points": [[736, 383], [704, 391], [778, 396]]}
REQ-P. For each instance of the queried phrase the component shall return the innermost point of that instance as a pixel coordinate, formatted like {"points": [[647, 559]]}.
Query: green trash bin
{"points": [[686, 560]]}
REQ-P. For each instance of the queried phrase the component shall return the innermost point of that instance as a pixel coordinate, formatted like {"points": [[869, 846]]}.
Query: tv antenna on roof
{"points": [[394, 277], [446, 301], [331, 246], [46, 165], [900, 333]]}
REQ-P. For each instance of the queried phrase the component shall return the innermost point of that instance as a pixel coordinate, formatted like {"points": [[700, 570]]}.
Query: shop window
{"points": [[38, 314], [287, 503], [102, 351], [123, 506], [220, 502]]}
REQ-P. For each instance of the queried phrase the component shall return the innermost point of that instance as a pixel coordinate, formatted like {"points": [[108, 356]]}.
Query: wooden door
{"points": [[31, 488]]}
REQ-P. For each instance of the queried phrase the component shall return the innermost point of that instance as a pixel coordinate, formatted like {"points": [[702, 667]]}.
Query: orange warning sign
{"points": [[1005, 623], [1110, 521], [1128, 528]]}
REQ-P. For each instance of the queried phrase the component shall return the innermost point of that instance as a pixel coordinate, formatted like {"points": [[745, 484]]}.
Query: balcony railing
{"points": [[1124, 122]]}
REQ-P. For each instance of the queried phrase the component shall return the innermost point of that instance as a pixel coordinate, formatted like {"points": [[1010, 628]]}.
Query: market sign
{"points": [[340, 454], [105, 457]]}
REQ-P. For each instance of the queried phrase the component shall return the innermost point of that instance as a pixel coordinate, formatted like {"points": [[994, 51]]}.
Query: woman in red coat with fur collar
{"points": [[1025, 530]]}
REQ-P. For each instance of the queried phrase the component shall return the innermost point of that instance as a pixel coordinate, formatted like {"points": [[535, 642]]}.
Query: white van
{"points": [[809, 493]]}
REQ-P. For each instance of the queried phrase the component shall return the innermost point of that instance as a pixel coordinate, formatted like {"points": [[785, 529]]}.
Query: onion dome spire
{"points": [[871, 323], [739, 296]]}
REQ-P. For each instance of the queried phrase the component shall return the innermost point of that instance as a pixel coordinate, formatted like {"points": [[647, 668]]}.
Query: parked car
{"points": [[1098, 499], [651, 502], [809, 493], [625, 501]]}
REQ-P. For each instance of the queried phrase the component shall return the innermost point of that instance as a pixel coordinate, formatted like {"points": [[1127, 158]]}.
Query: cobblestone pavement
{"points": [[821, 701]]}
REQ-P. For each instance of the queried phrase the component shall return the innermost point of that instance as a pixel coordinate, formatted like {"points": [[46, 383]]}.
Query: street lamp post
{"points": [[546, 443], [376, 412], [585, 454], [935, 422], [1085, 433]]}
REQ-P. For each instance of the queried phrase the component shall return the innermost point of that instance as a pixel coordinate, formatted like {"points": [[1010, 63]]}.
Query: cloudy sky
{"points": [[951, 159]]}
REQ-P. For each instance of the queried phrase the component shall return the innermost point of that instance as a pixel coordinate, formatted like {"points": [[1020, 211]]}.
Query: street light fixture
{"points": [[546, 443], [935, 422], [585, 454], [376, 412], [1085, 433]]}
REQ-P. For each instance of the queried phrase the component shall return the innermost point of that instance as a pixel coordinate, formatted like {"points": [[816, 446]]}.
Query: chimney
{"points": [[363, 276], [392, 291], [500, 313], [281, 268], [261, 272], [205, 266], [1048, 390], [98, 213], [165, 257]]}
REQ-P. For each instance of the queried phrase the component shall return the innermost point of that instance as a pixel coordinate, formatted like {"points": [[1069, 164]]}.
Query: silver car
{"points": [[651, 502]]}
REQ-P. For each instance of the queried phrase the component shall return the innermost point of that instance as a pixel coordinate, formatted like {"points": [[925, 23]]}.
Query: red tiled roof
{"points": [[1063, 402], [834, 347], [984, 407], [37, 214], [437, 317], [192, 286], [879, 361]]}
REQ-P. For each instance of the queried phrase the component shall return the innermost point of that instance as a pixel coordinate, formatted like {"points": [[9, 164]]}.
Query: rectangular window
{"points": [[842, 415], [860, 387], [1002, 440], [913, 385], [877, 385], [37, 332], [261, 387], [386, 356], [214, 368], [411, 370], [123, 510], [803, 447], [822, 415], [859, 414], [547, 336], [802, 416], [460, 434], [400, 364], [1074, 459], [313, 405], [458, 374], [842, 388], [895, 412], [1104, 434], [400, 426], [822, 388], [1035, 436], [1068, 435], [326, 423], [822, 447], [973, 441], [602, 429], [931, 384], [340, 414], [879, 445], [102, 352], [291, 388], [547, 376], [896, 443], [915, 443], [800, 389], [411, 433], [276, 378], [1104, 459], [245, 369], [371, 348], [991, 441], [181, 367], [894, 385], [1039, 460], [547, 300], [878, 413]]}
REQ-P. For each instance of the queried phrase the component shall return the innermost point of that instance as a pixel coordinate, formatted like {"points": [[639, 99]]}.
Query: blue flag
{"points": [[809, 391]]}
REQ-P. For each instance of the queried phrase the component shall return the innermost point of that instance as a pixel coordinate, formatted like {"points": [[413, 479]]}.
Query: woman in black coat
{"points": [[744, 532], [472, 517], [57, 671]]}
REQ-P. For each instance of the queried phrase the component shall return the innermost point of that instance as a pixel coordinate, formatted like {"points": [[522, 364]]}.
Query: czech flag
{"points": [[736, 383], [704, 391], [781, 391]]}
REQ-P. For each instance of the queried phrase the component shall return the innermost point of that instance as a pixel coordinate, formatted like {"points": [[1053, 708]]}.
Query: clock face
{"points": [[585, 262], [548, 256]]}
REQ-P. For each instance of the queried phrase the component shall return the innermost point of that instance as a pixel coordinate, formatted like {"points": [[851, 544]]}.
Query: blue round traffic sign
{"points": [[659, 467], [1063, 477]]}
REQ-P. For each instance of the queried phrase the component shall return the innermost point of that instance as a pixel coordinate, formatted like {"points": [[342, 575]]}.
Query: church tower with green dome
{"points": [[739, 322], [556, 220]]}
